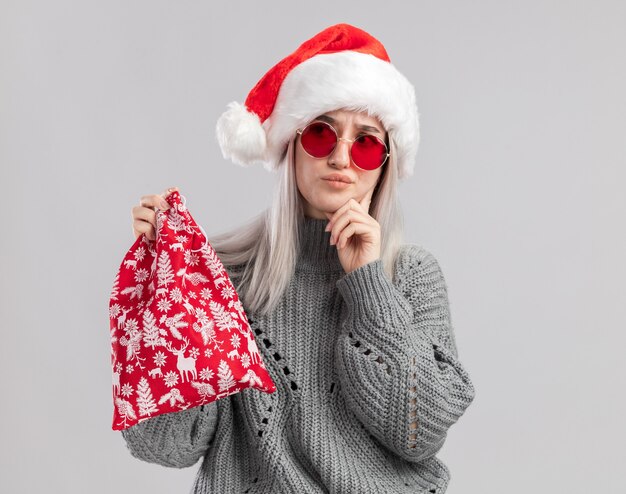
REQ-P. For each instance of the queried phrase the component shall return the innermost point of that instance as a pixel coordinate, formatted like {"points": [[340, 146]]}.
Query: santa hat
{"points": [[342, 67]]}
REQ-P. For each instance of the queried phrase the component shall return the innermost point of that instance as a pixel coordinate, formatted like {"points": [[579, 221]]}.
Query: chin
{"points": [[332, 203]]}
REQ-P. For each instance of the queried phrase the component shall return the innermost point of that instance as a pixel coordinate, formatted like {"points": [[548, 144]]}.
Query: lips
{"points": [[337, 178]]}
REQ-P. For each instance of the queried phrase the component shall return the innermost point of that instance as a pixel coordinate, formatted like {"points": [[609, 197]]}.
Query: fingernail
{"points": [[327, 227]]}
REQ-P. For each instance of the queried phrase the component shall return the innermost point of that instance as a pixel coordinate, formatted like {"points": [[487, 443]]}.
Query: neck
{"points": [[316, 254]]}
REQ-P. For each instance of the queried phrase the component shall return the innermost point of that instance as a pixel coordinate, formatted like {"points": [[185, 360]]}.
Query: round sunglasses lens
{"points": [[318, 139], [368, 152]]}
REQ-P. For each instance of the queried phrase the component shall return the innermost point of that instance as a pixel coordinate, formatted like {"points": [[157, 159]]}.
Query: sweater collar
{"points": [[316, 254]]}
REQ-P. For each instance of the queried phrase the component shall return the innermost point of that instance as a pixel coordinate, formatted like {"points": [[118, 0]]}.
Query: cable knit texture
{"points": [[368, 383]]}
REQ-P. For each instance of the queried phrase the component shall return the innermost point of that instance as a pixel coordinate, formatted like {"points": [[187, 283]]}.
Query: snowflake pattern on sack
{"points": [[180, 337]]}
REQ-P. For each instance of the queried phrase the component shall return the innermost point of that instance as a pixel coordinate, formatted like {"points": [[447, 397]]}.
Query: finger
{"points": [[350, 216], [157, 200], [154, 201], [355, 228], [141, 227], [168, 191], [333, 216], [146, 214], [352, 204]]}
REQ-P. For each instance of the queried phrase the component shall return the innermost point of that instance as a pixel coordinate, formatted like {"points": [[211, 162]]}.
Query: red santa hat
{"points": [[342, 67]]}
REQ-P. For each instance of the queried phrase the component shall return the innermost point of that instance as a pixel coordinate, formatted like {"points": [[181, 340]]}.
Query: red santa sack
{"points": [[179, 335]]}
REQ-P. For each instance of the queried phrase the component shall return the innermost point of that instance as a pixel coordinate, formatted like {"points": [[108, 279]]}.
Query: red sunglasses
{"points": [[319, 139]]}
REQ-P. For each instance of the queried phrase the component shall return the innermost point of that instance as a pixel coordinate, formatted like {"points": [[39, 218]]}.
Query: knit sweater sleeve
{"points": [[177, 439], [396, 355]]}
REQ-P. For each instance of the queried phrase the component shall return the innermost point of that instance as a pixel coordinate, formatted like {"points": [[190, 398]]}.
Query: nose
{"points": [[341, 154]]}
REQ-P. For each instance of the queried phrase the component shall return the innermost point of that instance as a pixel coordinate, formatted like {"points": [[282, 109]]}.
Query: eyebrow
{"points": [[368, 128]]}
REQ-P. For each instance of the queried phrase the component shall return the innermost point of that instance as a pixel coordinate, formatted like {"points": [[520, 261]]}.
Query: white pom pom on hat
{"points": [[342, 67], [240, 135]]}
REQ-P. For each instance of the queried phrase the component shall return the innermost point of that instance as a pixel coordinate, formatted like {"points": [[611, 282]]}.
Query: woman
{"points": [[354, 326]]}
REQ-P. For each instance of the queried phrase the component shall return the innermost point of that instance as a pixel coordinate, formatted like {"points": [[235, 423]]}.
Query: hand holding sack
{"points": [[180, 337]]}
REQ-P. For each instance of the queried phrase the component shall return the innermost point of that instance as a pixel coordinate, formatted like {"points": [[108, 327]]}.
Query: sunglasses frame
{"points": [[351, 141]]}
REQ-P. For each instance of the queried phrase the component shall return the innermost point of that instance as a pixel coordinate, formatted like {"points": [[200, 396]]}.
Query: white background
{"points": [[518, 192]]}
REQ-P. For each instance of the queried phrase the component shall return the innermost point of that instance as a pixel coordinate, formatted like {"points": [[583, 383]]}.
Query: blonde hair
{"points": [[261, 255]]}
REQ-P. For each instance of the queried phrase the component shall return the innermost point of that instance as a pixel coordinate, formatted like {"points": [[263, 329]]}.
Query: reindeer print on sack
{"points": [[180, 337], [184, 364]]}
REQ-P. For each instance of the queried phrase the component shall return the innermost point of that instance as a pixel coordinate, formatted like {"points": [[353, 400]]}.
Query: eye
{"points": [[367, 140], [321, 128]]}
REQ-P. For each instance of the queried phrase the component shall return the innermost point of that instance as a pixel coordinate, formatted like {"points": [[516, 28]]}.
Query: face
{"points": [[322, 195]]}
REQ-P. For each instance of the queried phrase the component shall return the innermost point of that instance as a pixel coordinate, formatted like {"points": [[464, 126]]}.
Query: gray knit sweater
{"points": [[368, 383]]}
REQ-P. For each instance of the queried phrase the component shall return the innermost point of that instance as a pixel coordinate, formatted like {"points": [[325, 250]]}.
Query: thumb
{"points": [[166, 193]]}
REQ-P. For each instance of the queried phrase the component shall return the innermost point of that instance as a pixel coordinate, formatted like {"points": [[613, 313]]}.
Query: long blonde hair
{"points": [[261, 255]]}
